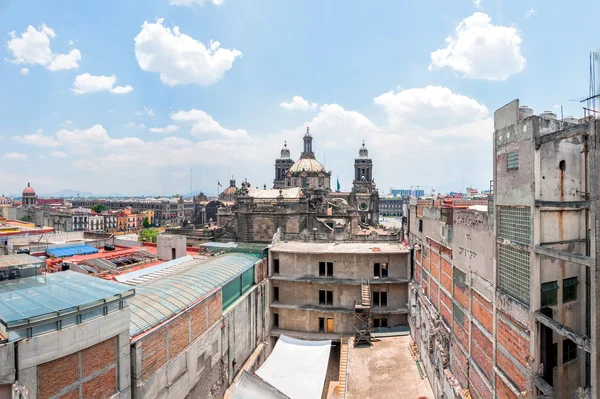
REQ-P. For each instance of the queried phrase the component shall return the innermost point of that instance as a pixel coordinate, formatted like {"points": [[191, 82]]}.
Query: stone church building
{"points": [[302, 205]]}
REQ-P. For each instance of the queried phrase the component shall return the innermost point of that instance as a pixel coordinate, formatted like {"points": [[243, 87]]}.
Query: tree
{"points": [[99, 208], [146, 223], [149, 235]]}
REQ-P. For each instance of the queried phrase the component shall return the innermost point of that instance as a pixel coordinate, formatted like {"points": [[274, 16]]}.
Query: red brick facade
{"points": [[502, 391], [482, 350], [482, 310], [93, 369], [177, 333]]}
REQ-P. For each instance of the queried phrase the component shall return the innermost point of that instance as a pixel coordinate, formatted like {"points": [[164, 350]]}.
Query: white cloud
{"points": [[205, 127], [95, 135], [192, 2], [39, 131], [477, 3], [530, 12], [33, 47], [146, 111], [298, 103], [430, 107], [58, 154], [179, 58], [14, 156], [66, 123], [131, 124], [86, 83], [166, 129], [70, 42], [24, 71], [481, 50], [37, 139]]}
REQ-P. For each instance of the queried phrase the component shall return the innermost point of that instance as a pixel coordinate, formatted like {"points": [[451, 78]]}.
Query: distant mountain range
{"points": [[69, 193]]}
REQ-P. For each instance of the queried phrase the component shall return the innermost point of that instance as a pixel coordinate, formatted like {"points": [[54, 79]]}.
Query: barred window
{"points": [[515, 223], [512, 160], [459, 316], [513, 273], [570, 289], [549, 293], [460, 278]]}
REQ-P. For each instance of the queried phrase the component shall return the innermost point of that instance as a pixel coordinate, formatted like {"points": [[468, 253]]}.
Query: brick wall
{"points": [[511, 370], [482, 351], [477, 387], [510, 338], [462, 296], [445, 307], [502, 391], [92, 370], [154, 352], [434, 294], [175, 335], [179, 334], [459, 364], [482, 310]]}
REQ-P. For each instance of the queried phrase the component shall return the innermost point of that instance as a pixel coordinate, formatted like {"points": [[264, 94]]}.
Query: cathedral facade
{"points": [[302, 205]]}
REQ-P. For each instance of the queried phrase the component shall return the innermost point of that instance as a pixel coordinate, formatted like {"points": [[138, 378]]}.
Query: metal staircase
{"points": [[362, 315]]}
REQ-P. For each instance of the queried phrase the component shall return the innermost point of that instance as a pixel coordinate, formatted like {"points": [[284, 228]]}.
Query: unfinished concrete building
{"points": [[315, 287], [503, 300]]}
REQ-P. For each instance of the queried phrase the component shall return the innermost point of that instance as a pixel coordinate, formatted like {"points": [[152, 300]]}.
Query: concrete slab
{"points": [[385, 370]]}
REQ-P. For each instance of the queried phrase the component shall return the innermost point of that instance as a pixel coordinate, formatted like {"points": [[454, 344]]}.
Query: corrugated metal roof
{"points": [[161, 299], [71, 251]]}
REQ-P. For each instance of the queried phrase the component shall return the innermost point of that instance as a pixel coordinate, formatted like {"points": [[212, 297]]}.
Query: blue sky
{"points": [[418, 81]]}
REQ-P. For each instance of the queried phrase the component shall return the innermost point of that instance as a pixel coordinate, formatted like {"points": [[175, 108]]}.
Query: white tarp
{"points": [[249, 386], [297, 367]]}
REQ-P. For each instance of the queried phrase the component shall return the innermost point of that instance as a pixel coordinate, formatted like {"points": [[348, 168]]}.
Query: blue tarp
{"points": [[71, 251]]}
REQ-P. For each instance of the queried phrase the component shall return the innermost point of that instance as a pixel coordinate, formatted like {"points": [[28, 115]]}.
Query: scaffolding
{"points": [[362, 315]]}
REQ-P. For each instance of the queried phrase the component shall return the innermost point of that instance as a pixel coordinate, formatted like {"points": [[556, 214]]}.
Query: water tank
{"points": [[548, 115], [525, 112], [572, 120]]}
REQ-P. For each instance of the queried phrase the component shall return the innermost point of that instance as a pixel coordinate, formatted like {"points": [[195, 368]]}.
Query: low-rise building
{"points": [[74, 342], [96, 222], [110, 221], [80, 219], [391, 206], [316, 286]]}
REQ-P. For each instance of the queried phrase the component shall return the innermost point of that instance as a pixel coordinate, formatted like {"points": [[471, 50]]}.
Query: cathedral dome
{"points": [[307, 165], [28, 190], [230, 190]]}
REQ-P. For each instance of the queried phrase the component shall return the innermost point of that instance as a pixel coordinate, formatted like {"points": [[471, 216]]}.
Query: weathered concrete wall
{"points": [[165, 243], [474, 243], [345, 266]]}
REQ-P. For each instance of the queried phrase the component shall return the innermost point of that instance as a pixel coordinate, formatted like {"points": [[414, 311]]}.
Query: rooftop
{"points": [[18, 260], [385, 370], [41, 297], [160, 299], [343, 248]]}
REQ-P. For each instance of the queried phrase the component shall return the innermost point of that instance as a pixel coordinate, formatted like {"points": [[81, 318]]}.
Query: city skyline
{"points": [[133, 108]]}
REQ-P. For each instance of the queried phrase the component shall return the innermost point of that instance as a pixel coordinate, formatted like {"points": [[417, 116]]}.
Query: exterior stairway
{"points": [[362, 315], [341, 388]]}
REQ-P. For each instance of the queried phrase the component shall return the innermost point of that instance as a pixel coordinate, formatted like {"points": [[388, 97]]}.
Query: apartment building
{"points": [[315, 287], [503, 297]]}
